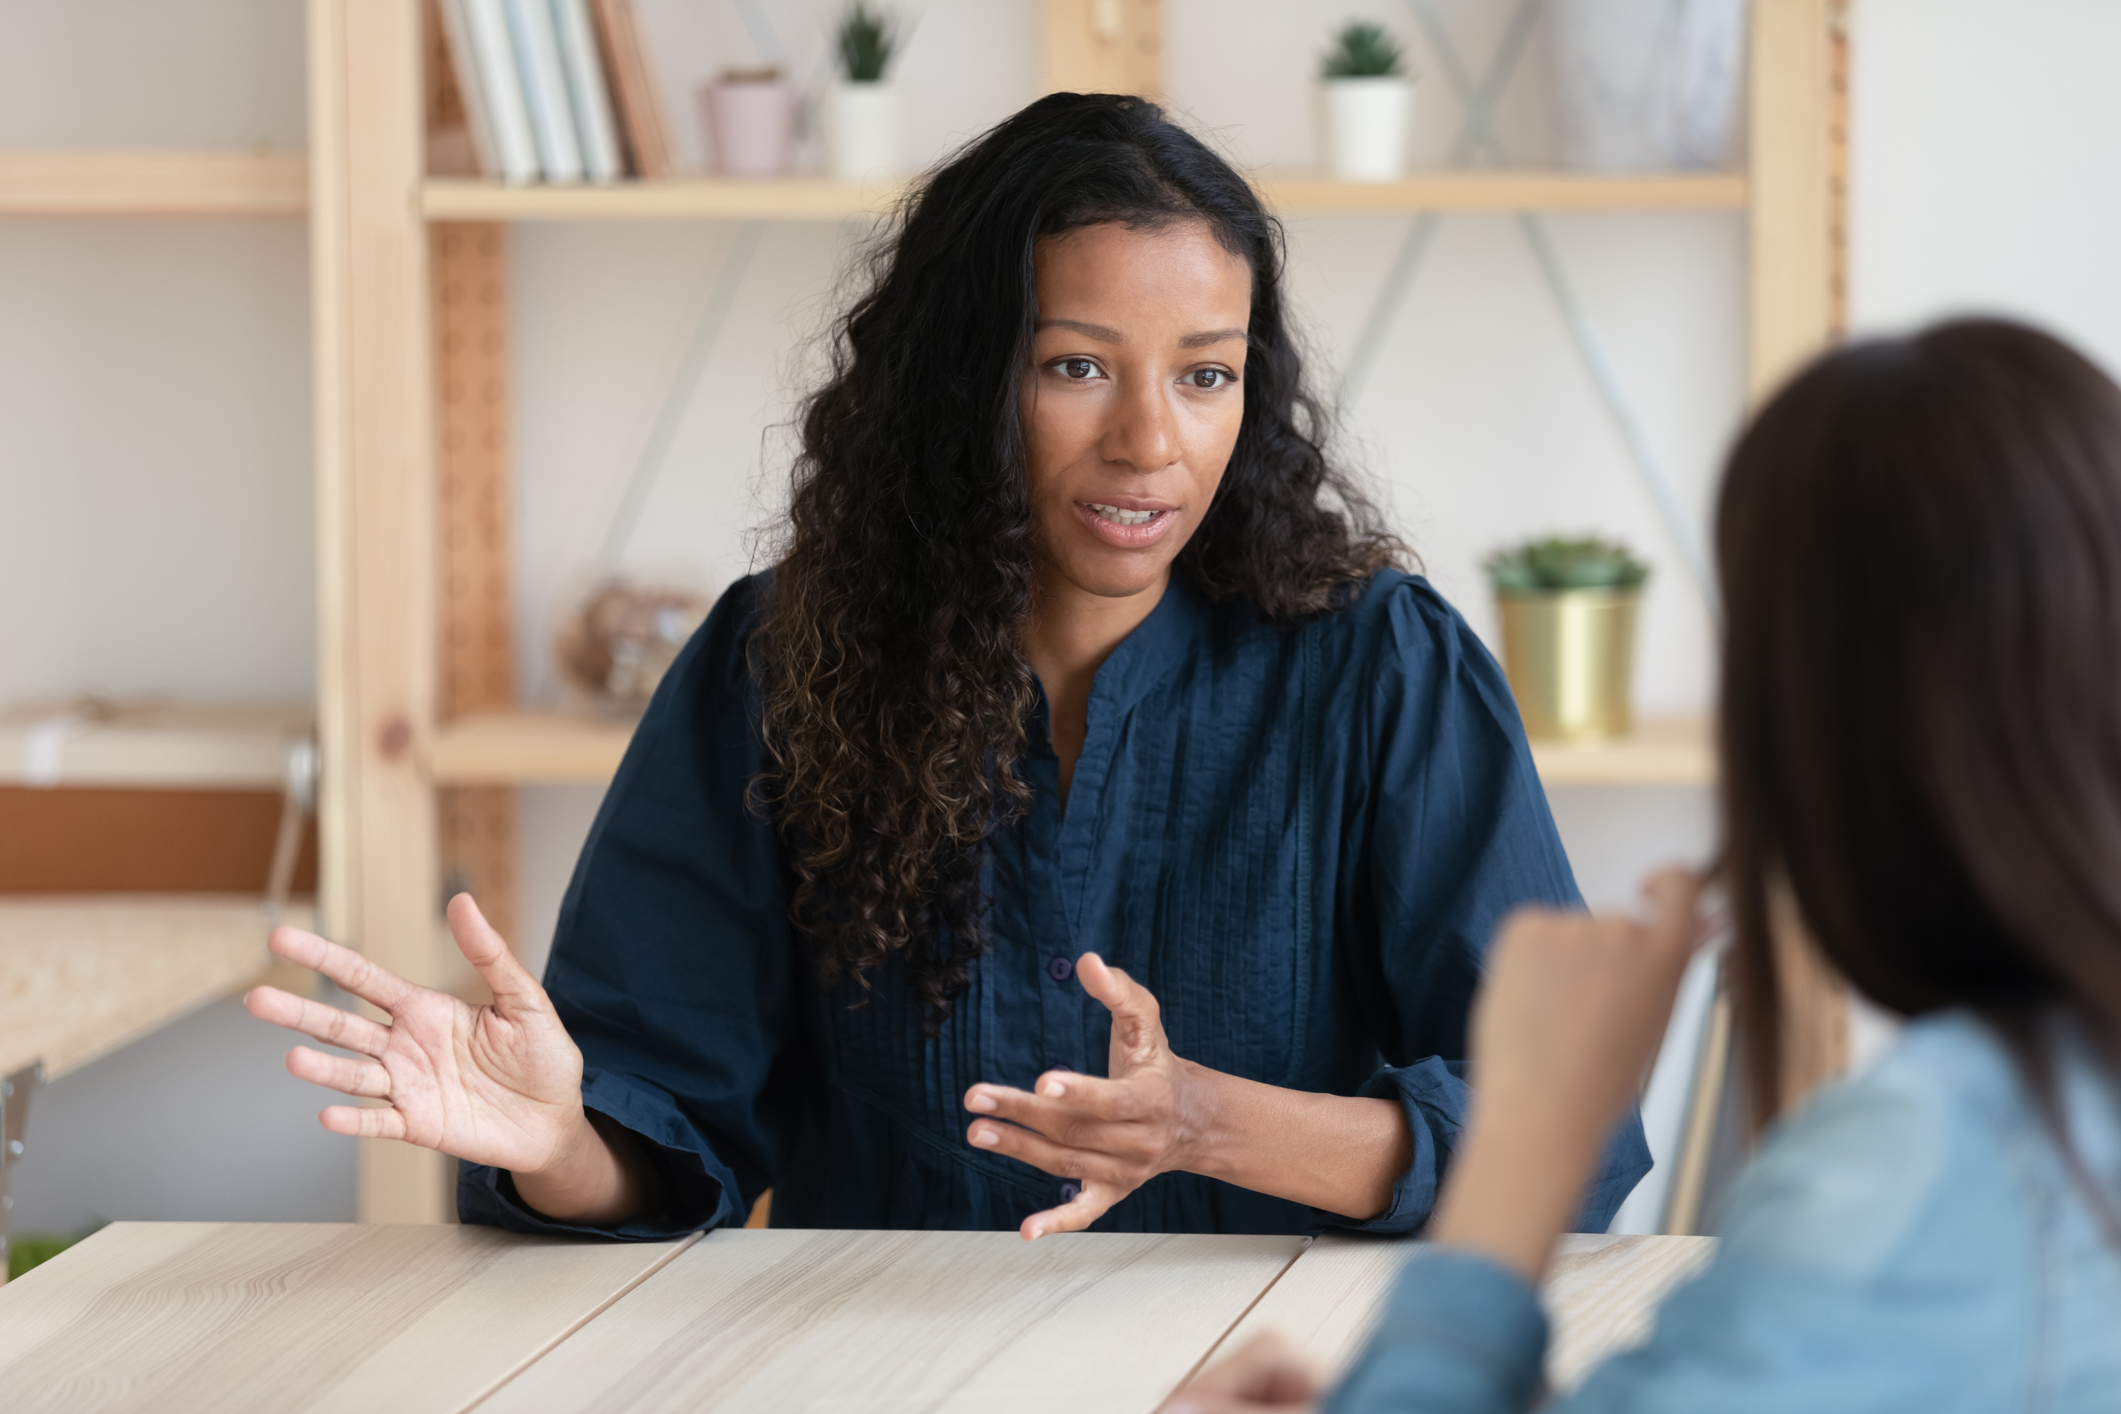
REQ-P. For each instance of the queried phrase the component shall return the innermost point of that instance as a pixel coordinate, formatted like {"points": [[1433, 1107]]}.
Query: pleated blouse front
{"points": [[1299, 839]]}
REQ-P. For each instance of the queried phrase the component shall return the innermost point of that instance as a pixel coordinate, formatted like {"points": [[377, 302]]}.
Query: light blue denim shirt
{"points": [[1909, 1241]]}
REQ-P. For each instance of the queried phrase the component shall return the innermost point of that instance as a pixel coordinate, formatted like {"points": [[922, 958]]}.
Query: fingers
{"points": [[1675, 900], [363, 1122], [1063, 1098], [343, 1073], [489, 954], [1085, 1208], [1057, 1159], [344, 966], [1267, 1372], [1137, 1021], [317, 1021]]}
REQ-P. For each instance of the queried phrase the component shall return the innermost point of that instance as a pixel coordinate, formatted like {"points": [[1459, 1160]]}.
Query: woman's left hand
{"points": [[1109, 1136]]}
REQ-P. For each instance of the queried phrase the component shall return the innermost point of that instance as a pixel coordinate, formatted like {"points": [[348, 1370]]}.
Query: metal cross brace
{"points": [[1476, 136], [667, 419]]}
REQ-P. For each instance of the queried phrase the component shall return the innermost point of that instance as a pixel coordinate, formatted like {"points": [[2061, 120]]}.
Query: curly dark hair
{"points": [[896, 693]]}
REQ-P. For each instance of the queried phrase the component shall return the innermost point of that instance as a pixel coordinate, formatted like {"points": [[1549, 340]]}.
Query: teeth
{"points": [[1120, 517]]}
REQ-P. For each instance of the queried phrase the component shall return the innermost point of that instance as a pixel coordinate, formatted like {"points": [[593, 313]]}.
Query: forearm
{"points": [[597, 1177], [1515, 1185], [1333, 1152]]}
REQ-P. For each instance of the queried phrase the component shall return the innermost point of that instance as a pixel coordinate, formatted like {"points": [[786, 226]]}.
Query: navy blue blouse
{"points": [[1299, 839]]}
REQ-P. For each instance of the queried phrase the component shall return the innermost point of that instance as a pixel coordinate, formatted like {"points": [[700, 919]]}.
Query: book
{"points": [[594, 125], [537, 48], [640, 106], [501, 91], [464, 68]]}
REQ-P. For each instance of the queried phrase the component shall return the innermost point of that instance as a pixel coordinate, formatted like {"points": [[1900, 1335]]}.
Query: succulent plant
{"points": [[867, 40], [1361, 51], [1543, 566]]}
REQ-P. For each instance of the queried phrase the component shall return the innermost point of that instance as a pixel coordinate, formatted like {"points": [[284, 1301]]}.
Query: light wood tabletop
{"points": [[1601, 1296], [793, 1321], [173, 1317], [232, 1317]]}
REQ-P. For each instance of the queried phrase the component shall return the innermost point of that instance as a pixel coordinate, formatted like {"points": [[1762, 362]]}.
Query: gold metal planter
{"points": [[1570, 654]]}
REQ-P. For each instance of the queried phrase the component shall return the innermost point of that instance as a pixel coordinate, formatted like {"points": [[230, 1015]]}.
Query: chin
{"points": [[1118, 581]]}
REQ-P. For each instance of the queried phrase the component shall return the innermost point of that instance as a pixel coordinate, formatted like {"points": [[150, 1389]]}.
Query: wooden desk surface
{"points": [[234, 1317], [791, 1321], [173, 1317], [1600, 1296]]}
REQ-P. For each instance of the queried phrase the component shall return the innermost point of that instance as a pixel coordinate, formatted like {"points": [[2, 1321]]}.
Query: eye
{"points": [[1076, 370], [1210, 378]]}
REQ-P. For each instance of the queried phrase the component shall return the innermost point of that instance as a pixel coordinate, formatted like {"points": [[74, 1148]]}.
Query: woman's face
{"points": [[1133, 399]]}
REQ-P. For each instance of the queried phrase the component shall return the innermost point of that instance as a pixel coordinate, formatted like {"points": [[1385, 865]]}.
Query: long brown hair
{"points": [[1920, 544], [896, 693]]}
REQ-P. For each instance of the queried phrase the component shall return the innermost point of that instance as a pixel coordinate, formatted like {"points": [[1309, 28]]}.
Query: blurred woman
{"points": [[1079, 655], [1920, 543]]}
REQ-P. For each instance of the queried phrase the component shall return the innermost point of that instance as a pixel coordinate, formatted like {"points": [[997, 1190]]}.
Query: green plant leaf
{"points": [[867, 40], [1361, 51], [1558, 562]]}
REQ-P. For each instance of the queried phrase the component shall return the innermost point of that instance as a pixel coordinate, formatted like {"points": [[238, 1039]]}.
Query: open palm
{"points": [[499, 1084]]}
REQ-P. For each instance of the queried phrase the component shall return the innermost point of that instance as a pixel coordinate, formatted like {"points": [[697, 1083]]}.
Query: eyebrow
{"points": [[1107, 335]]}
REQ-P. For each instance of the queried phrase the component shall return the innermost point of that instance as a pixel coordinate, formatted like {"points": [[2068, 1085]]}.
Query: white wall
{"points": [[154, 501]]}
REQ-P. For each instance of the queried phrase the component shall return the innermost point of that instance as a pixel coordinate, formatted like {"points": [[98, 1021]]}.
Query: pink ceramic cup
{"points": [[750, 126]]}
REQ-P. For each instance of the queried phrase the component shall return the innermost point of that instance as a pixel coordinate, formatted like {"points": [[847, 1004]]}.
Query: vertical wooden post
{"points": [[1791, 181], [478, 824], [376, 520], [1102, 46]]}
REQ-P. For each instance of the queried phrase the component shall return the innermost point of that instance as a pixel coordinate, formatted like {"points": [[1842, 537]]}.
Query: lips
{"points": [[1126, 522]]}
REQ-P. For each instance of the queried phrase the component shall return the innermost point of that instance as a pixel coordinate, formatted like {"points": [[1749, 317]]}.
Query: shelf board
{"points": [[1508, 189], [814, 199], [679, 199], [151, 184], [82, 975], [1662, 751], [529, 748], [153, 745]]}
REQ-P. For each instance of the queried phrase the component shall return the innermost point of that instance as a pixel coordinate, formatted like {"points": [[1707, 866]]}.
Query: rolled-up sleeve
{"points": [[672, 967], [1459, 834]]}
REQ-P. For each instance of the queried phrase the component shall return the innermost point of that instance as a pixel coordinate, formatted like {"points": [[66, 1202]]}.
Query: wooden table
{"points": [[174, 1317]]}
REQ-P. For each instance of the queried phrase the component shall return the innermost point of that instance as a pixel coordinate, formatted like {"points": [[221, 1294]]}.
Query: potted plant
{"points": [[1368, 100], [750, 122], [1568, 633], [861, 110]]}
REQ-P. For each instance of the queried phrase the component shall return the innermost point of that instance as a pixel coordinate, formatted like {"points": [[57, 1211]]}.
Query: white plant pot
{"points": [[1647, 85], [861, 131], [1366, 127]]}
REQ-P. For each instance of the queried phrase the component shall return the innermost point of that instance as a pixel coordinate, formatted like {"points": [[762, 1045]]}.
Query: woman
{"points": [[1079, 657], [1921, 558]]}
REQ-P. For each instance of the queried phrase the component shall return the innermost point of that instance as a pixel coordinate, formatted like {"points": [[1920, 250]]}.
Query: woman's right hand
{"points": [[499, 1084]]}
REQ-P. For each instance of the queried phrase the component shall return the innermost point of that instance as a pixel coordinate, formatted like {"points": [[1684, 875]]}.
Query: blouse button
{"points": [[1070, 1192], [1060, 969]]}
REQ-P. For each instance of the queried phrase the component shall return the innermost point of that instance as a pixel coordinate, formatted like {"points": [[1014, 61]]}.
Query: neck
{"points": [[1070, 633], [1066, 640]]}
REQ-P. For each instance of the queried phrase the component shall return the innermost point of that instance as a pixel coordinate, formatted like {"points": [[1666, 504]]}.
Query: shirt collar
{"points": [[1148, 655]]}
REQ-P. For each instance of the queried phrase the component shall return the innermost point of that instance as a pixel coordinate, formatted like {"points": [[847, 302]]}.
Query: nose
{"points": [[1140, 430]]}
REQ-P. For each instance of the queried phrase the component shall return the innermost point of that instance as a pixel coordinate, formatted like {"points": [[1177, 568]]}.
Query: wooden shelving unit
{"points": [[528, 748], [807, 199], [410, 288], [82, 976], [1662, 751], [222, 185], [239, 746]]}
